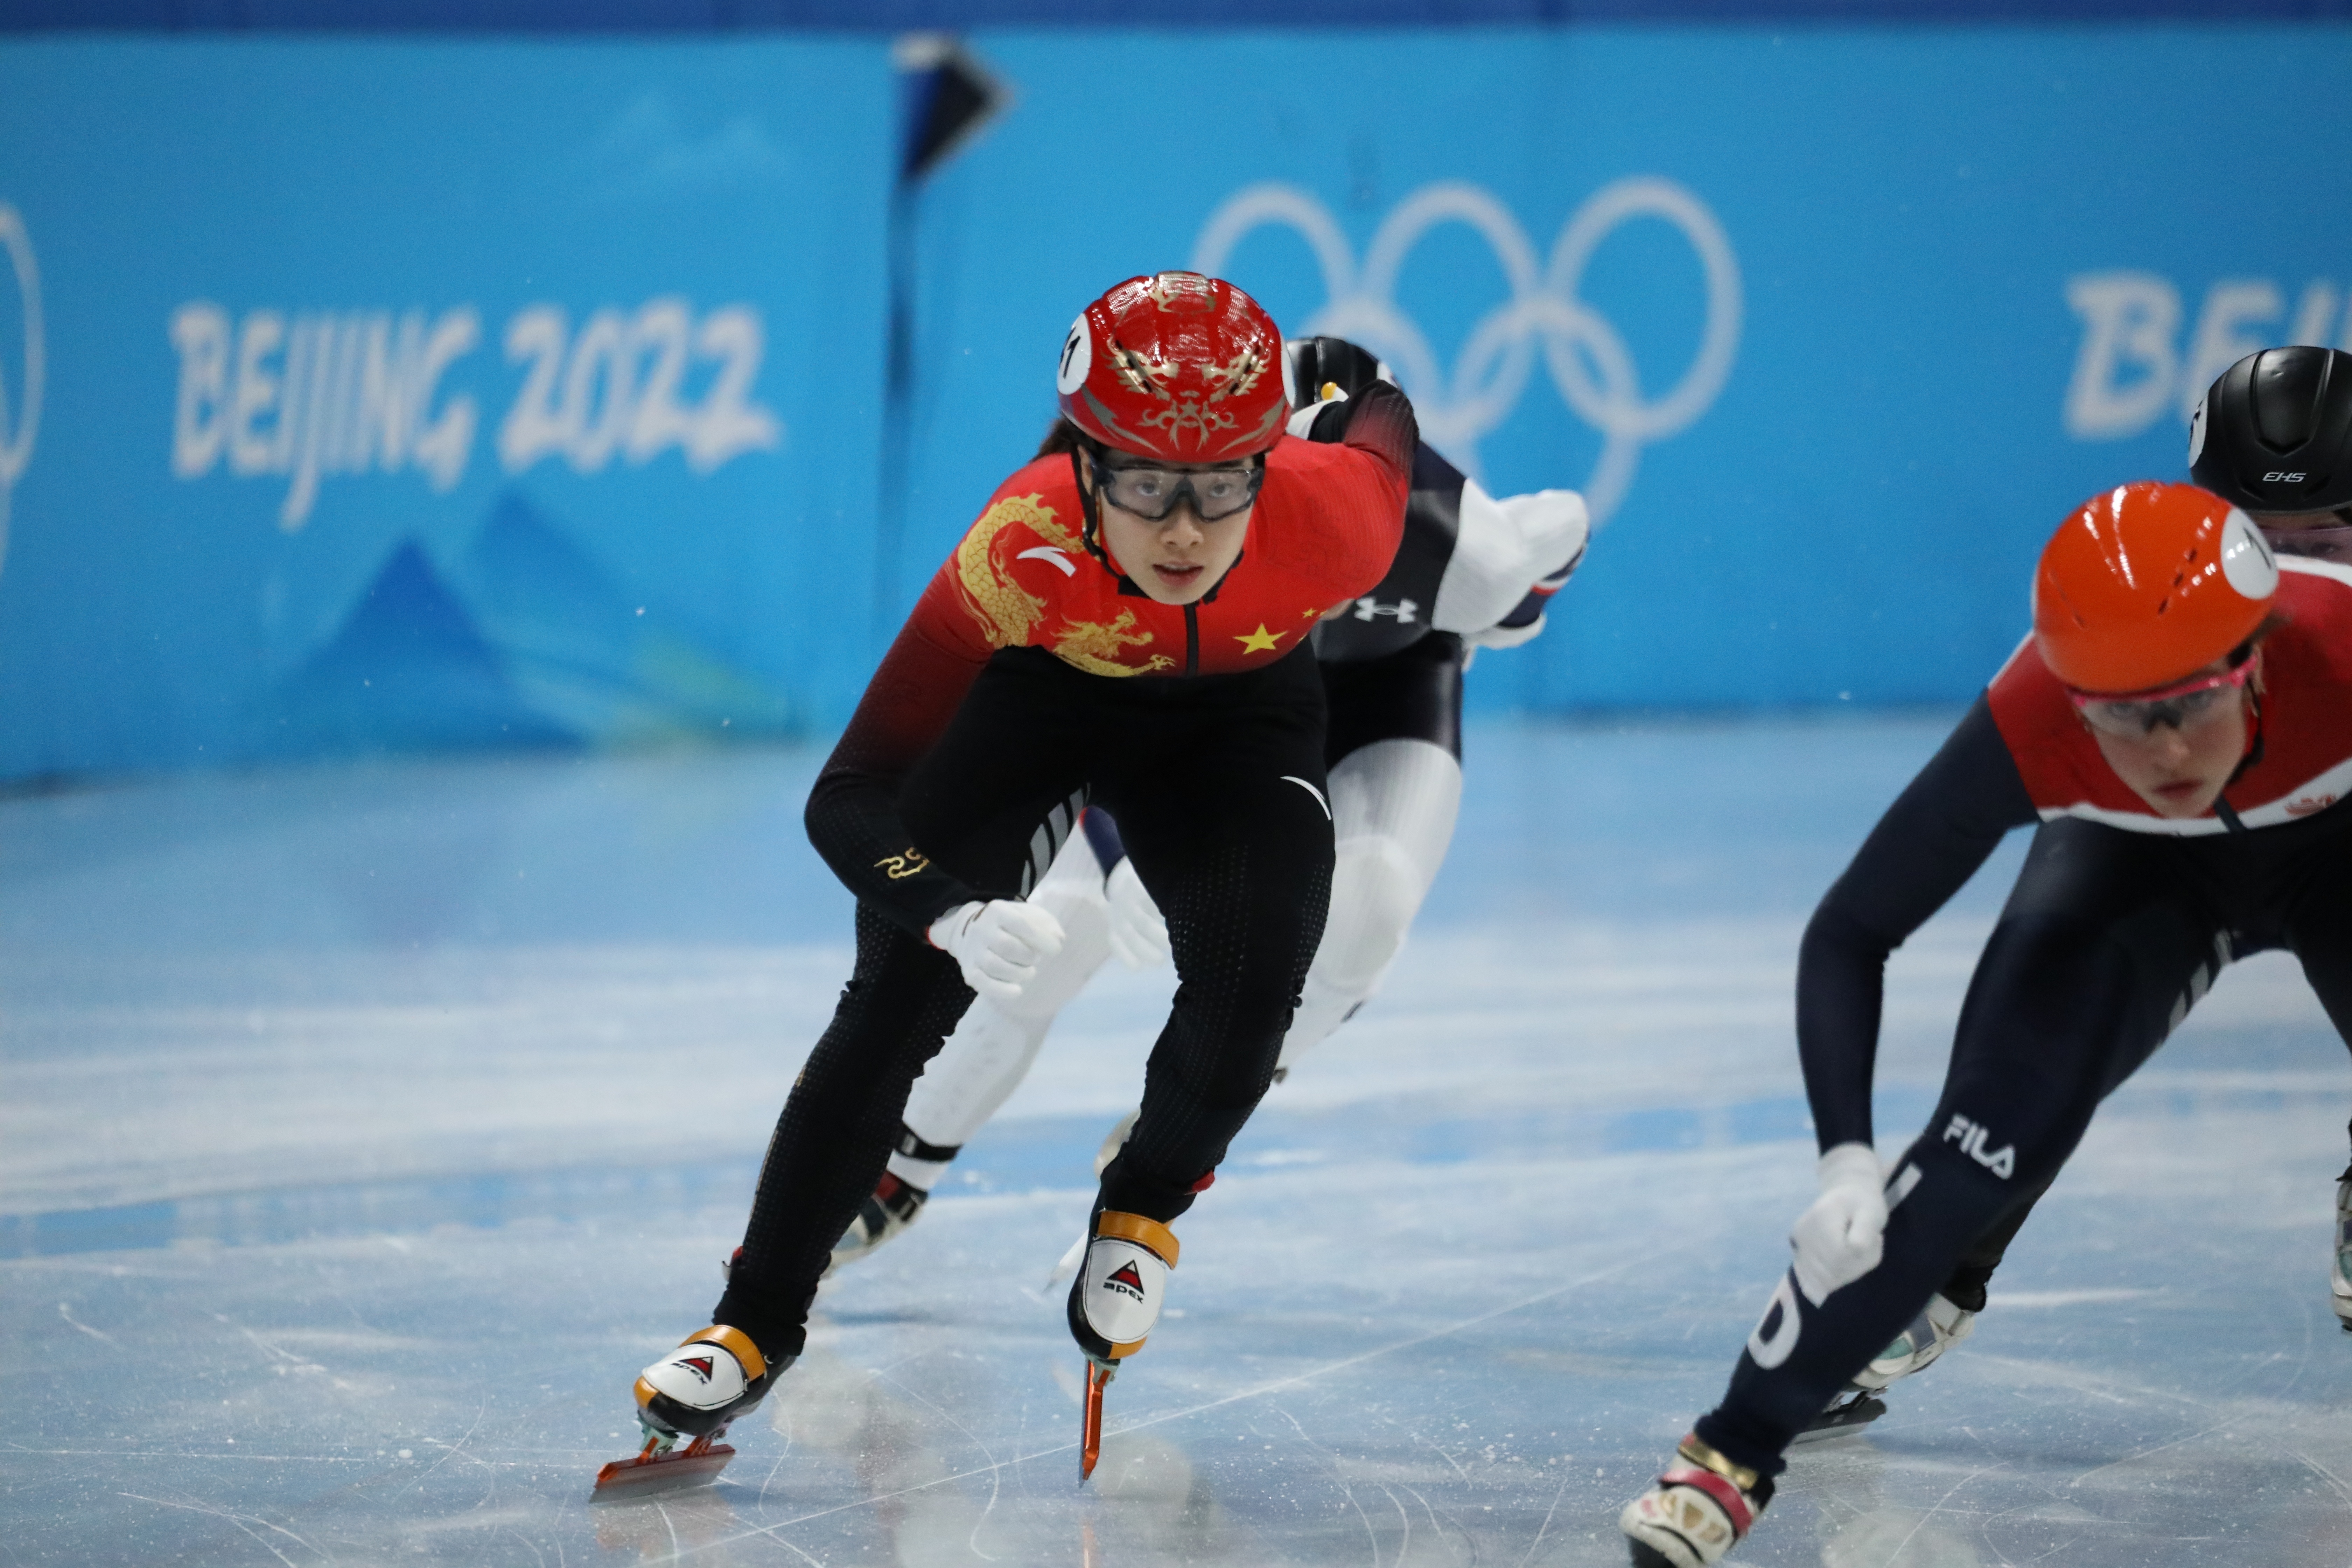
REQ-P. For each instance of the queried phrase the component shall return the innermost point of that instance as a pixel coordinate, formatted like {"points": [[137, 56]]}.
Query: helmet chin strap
{"points": [[2255, 742], [1090, 535], [1090, 525], [2254, 738]]}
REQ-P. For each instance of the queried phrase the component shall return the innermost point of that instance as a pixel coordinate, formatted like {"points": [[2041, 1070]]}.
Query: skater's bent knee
{"points": [[1964, 1174], [1376, 890]]}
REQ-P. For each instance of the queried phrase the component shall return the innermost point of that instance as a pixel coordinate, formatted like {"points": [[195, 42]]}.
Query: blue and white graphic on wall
{"points": [[20, 414], [303, 396], [522, 637], [2133, 365], [1586, 357]]}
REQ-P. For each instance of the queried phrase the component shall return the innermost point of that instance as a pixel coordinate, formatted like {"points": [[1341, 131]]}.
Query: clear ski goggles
{"points": [[2329, 542], [1152, 493], [2179, 706]]}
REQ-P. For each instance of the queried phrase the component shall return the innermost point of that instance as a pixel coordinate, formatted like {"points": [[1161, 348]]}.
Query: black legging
{"points": [[2107, 941], [1217, 782], [1413, 694]]}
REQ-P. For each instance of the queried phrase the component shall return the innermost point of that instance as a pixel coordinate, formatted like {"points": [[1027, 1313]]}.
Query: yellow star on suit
{"points": [[1260, 640]]}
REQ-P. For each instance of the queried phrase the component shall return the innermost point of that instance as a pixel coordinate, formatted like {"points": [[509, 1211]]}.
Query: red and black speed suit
{"points": [[1032, 676], [2118, 924]]}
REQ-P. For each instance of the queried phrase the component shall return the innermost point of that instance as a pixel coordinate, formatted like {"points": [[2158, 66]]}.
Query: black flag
{"points": [[945, 98]]}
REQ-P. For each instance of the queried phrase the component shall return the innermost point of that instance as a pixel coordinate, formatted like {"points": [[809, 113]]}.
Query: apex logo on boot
{"points": [[697, 1365], [1125, 1277]]}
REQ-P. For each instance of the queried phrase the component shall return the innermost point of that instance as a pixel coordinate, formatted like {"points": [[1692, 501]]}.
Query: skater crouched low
{"points": [[1474, 571], [2180, 725], [1126, 622]]}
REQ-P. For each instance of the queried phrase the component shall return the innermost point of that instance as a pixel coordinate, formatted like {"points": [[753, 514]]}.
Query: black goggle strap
{"points": [[2253, 757], [1090, 531], [1085, 499], [2247, 764]]}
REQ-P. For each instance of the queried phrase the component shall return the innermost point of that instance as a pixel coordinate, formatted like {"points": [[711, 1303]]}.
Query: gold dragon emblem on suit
{"points": [[1009, 616]]}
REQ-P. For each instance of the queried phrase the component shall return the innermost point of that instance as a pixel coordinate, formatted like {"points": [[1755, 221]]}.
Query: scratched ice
{"points": [[364, 1129]]}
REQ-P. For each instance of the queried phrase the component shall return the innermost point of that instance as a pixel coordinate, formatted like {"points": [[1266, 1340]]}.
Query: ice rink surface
{"points": [[362, 1130]]}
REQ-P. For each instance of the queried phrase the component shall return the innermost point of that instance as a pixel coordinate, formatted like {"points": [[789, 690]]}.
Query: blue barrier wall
{"points": [[429, 395], [1831, 326], [559, 17], [424, 395]]}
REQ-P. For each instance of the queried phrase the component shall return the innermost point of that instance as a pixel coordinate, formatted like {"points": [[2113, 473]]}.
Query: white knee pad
{"points": [[1393, 805], [1375, 892], [985, 1060], [1086, 943], [1409, 791]]}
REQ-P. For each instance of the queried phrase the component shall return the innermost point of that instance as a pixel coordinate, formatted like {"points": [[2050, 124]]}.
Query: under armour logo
{"points": [[1371, 609]]}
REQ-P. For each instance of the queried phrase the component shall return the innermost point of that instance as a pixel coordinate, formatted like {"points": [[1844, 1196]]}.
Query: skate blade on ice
{"points": [[1851, 1409], [1090, 1426], [649, 1474]]}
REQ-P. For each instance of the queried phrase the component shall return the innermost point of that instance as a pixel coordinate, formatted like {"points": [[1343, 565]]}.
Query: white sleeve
{"points": [[1503, 549]]}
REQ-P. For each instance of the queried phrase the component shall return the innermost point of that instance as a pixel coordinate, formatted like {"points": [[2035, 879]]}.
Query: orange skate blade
{"points": [[696, 1465], [1091, 1434]]}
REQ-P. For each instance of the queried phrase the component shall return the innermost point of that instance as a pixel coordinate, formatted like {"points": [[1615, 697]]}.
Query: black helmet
{"points": [[1316, 363], [2274, 433]]}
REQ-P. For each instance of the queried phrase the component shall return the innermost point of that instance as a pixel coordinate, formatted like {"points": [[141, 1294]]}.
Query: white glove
{"points": [[997, 945], [1843, 1236], [1509, 637], [1138, 935]]}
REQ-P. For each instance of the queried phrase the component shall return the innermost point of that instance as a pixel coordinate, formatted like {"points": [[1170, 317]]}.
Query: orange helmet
{"points": [[2145, 585]]}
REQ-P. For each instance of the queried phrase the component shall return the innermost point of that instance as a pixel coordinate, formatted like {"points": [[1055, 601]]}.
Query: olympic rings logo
{"points": [[16, 449], [1586, 357]]}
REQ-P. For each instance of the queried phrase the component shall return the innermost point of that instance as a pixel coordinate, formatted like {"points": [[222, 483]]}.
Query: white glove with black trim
{"points": [[1843, 1234], [1509, 637], [997, 945], [1139, 937]]}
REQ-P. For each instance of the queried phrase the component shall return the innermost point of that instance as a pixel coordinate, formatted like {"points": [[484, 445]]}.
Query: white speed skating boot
{"points": [[1699, 1509], [1113, 1305], [890, 1208], [714, 1378], [1939, 1326], [2339, 1281], [1122, 1283]]}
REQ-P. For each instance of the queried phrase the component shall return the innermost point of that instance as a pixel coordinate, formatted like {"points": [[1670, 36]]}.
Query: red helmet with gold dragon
{"points": [[1175, 366]]}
